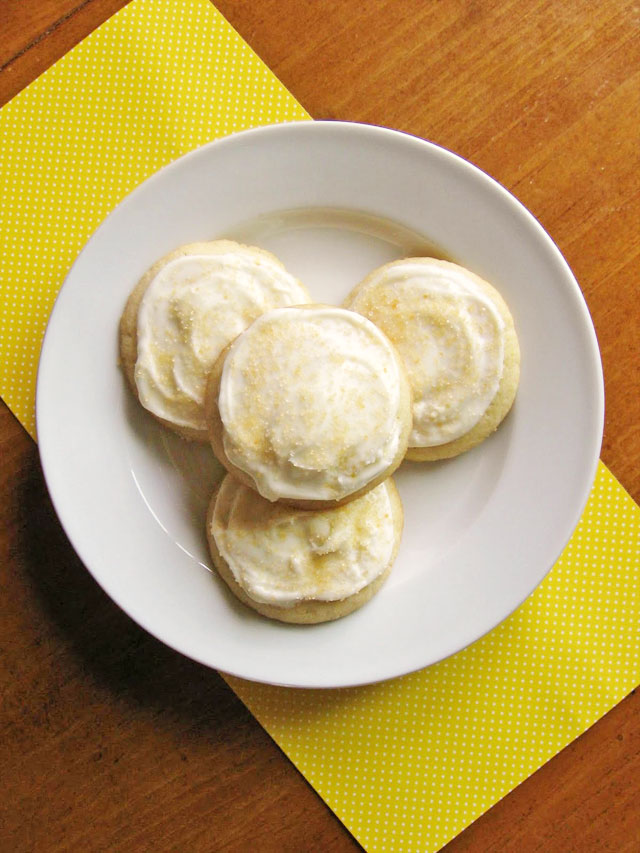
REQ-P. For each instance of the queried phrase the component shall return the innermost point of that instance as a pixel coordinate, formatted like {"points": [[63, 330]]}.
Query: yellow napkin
{"points": [[408, 763]]}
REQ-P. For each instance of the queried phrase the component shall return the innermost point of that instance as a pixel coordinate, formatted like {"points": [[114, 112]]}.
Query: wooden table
{"points": [[110, 741]]}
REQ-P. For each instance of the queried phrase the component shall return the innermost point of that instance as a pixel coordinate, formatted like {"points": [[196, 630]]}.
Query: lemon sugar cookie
{"points": [[303, 566], [186, 308], [457, 340], [310, 405]]}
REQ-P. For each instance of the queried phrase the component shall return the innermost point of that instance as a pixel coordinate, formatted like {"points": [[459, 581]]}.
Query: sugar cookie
{"points": [[182, 314], [310, 405], [303, 566], [457, 340]]}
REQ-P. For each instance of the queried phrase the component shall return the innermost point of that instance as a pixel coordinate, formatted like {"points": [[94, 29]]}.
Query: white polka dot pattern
{"points": [[407, 764], [154, 82]]}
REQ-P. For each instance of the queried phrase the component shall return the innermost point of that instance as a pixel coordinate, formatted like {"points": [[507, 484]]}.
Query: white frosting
{"points": [[450, 336], [281, 556], [191, 310], [311, 404]]}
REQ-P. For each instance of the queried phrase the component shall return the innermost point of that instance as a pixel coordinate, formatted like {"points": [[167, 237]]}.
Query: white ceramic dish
{"points": [[481, 531]]}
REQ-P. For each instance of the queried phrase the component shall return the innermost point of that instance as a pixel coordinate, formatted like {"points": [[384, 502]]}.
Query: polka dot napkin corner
{"points": [[408, 763], [157, 80]]}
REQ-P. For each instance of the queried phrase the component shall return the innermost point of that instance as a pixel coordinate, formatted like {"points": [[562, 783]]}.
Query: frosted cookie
{"points": [[310, 405], [182, 314], [456, 337], [303, 565]]}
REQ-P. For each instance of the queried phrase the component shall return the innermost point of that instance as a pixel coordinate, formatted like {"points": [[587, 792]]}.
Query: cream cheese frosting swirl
{"points": [[192, 307], [282, 556], [314, 403], [450, 334]]}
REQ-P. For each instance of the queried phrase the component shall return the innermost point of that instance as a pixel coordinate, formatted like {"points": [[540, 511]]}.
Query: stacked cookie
{"points": [[311, 408]]}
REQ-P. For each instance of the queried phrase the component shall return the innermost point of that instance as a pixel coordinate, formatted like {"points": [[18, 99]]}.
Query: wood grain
{"points": [[110, 741]]}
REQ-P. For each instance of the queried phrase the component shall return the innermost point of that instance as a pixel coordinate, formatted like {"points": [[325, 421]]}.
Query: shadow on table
{"points": [[113, 649]]}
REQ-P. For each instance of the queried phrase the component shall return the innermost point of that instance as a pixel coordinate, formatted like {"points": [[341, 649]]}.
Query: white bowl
{"points": [[333, 200]]}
